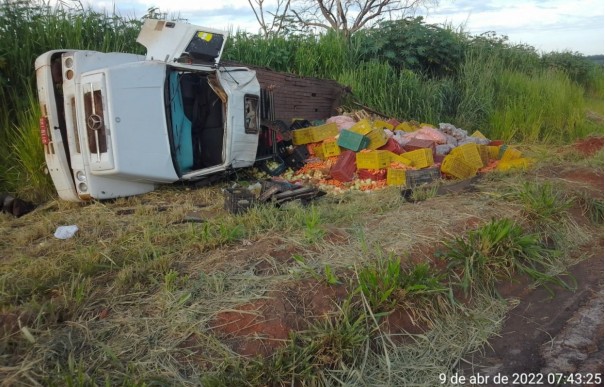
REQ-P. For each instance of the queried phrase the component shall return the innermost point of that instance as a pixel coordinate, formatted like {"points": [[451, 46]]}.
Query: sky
{"points": [[547, 25]]}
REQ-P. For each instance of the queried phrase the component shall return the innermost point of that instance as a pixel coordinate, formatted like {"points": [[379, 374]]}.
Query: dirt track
{"points": [[556, 334]]}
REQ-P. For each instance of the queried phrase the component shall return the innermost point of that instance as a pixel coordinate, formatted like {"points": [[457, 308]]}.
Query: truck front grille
{"points": [[95, 122]]}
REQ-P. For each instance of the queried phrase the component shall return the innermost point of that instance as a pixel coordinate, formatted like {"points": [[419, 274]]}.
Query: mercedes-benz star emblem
{"points": [[95, 122]]}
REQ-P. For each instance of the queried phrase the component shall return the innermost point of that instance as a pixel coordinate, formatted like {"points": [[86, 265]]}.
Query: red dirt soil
{"points": [[589, 145]]}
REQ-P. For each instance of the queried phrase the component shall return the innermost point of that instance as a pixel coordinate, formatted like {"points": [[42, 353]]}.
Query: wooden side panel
{"points": [[300, 97]]}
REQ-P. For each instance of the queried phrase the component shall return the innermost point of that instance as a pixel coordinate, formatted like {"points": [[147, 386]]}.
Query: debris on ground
{"points": [[363, 152], [15, 206], [66, 232], [359, 151]]}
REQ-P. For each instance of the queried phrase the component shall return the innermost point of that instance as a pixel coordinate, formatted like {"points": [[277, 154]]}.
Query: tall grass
{"points": [[507, 92], [546, 106]]}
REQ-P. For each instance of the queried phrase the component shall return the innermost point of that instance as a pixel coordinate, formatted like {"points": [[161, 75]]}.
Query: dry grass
{"points": [[130, 298]]}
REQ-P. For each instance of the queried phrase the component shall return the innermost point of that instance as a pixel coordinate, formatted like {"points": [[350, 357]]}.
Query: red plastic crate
{"points": [[394, 122], [392, 146], [416, 143], [345, 166]]}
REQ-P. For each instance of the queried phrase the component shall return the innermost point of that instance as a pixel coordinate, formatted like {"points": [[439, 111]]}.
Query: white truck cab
{"points": [[117, 124]]}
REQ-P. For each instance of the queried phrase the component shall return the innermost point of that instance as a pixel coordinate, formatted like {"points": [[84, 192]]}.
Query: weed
{"points": [[313, 230], [331, 278], [423, 193], [379, 281], [592, 209], [496, 251], [543, 200], [170, 280]]}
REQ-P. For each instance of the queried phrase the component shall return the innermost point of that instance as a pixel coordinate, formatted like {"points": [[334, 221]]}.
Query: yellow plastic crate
{"points": [[322, 132], [406, 127], [420, 158], [520, 163], [457, 167], [327, 149], [470, 153], [373, 159], [395, 176], [511, 154], [379, 124], [400, 159], [377, 138], [362, 127], [493, 152], [302, 136], [478, 134], [484, 153]]}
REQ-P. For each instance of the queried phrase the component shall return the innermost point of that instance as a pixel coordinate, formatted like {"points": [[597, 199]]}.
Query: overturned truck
{"points": [[119, 124]]}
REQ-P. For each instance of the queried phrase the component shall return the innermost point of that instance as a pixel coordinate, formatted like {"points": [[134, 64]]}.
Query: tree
{"points": [[277, 17], [349, 16]]}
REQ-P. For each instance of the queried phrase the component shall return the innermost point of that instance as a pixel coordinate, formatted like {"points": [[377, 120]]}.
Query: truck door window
{"points": [[251, 114]]}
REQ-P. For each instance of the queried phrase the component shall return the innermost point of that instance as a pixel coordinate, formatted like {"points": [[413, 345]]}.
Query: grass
{"points": [[131, 298], [498, 251], [507, 92]]}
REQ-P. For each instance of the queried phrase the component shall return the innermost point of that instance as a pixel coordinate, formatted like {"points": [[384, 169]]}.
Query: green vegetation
{"points": [[406, 69], [139, 297], [497, 251]]}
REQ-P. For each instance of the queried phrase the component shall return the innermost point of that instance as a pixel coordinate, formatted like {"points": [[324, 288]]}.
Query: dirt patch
{"points": [[589, 146], [539, 318], [262, 326], [583, 178]]}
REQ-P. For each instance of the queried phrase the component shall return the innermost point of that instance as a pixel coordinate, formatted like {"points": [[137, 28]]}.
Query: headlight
{"points": [[81, 176], [83, 187]]}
